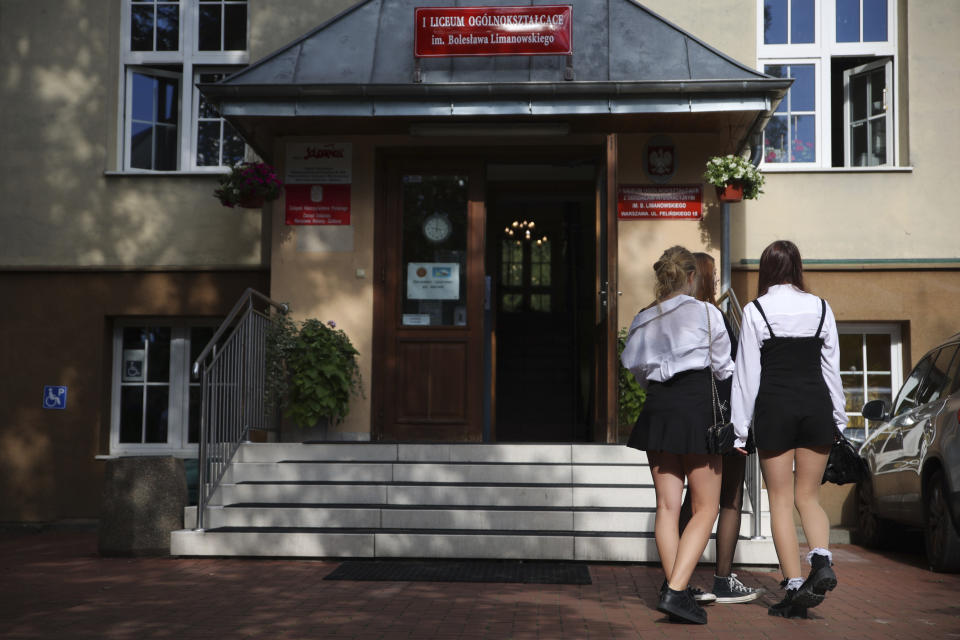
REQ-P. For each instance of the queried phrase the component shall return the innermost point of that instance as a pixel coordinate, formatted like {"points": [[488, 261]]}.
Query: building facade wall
{"points": [[84, 243], [58, 331]]}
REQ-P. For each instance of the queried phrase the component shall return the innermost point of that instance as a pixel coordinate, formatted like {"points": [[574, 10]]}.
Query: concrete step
{"points": [[404, 544], [441, 494], [533, 501], [576, 453], [387, 517]]}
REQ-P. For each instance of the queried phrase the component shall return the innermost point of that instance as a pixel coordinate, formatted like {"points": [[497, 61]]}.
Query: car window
{"points": [[907, 398], [935, 384], [954, 382]]}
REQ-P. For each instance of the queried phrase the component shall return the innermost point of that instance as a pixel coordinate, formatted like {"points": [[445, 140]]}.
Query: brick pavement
{"points": [[53, 585]]}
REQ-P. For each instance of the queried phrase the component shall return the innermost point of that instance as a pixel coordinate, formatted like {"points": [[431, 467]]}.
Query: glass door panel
{"points": [[434, 250]]}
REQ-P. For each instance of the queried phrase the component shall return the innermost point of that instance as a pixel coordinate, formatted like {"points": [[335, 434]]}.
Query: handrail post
{"points": [[203, 449], [230, 392]]}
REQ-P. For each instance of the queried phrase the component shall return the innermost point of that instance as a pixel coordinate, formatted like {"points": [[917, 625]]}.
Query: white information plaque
{"points": [[433, 281]]}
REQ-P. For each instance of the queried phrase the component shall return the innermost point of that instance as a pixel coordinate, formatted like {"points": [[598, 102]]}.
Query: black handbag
{"points": [[720, 434], [844, 464]]}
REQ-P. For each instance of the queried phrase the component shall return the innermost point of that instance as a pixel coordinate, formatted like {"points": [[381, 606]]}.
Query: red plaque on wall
{"points": [[681, 201], [318, 204], [493, 31]]}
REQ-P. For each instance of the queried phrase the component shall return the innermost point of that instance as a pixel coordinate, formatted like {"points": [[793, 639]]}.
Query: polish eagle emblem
{"points": [[660, 161]]}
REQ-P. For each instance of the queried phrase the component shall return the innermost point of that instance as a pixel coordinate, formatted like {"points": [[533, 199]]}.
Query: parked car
{"points": [[913, 459]]}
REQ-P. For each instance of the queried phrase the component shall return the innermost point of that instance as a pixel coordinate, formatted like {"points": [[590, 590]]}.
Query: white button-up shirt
{"points": [[792, 314], [668, 340]]}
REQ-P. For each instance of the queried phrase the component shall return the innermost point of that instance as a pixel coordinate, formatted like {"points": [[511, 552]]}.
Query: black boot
{"points": [[821, 579], [788, 608], [681, 607]]}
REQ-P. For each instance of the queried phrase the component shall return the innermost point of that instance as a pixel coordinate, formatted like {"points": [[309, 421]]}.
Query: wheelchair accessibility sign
{"points": [[54, 397]]}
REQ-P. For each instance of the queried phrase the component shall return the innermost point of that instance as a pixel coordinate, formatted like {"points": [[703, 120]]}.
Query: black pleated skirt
{"points": [[676, 415]]}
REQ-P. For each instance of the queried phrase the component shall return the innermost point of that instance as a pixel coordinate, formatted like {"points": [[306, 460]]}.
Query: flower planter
{"points": [[251, 202], [731, 192]]}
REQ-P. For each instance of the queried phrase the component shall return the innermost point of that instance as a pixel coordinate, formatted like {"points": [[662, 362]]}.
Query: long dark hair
{"points": [[780, 263], [706, 288]]}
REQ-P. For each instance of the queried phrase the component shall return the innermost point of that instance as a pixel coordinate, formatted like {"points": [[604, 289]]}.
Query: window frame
{"points": [[817, 103], [195, 120], [186, 61], [890, 115], [824, 49], [178, 421], [790, 50], [896, 360]]}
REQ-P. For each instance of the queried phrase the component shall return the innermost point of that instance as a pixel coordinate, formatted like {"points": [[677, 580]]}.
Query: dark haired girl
{"points": [[787, 389]]}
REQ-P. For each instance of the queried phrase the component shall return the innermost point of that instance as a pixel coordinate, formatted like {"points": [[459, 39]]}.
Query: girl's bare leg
{"points": [[777, 467], [703, 479], [667, 471]]}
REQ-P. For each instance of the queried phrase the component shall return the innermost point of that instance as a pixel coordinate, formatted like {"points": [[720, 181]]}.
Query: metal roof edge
{"points": [[765, 85]]}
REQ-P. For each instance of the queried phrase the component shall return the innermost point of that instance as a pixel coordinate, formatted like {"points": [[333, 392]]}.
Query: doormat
{"points": [[454, 571]]}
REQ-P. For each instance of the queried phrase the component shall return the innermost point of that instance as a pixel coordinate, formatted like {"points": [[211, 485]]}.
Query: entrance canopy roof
{"points": [[630, 70]]}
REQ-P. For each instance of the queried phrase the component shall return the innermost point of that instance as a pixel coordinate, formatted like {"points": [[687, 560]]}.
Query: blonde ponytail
{"points": [[673, 270]]}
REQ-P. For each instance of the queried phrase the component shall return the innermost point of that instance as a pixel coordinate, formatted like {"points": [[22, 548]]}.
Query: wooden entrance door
{"points": [[429, 304]]}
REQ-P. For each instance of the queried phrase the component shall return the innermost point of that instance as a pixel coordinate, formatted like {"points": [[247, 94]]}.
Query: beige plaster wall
{"points": [[877, 215], [726, 25], [641, 241], [59, 98], [325, 284]]}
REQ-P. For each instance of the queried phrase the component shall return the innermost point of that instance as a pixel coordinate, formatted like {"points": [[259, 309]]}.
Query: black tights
{"points": [[731, 503]]}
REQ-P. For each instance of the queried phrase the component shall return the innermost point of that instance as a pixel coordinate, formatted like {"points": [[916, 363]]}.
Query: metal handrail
{"points": [[734, 313], [232, 371]]}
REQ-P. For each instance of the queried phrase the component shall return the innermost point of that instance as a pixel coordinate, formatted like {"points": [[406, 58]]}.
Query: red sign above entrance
{"points": [[493, 31], [660, 201]]}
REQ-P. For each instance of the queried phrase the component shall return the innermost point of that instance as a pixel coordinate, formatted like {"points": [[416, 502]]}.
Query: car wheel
{"points": [[939, 534], [872, 531]]}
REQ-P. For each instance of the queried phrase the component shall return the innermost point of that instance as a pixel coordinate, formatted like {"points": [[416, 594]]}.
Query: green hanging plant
{"points": [[630, 394]]}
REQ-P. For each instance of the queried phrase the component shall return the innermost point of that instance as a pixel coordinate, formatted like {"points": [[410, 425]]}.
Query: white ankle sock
{"points": [[794, 583], [820, 551]]}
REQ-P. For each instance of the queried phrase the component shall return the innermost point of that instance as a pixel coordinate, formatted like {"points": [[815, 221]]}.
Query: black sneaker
{"points": [[681, 607], [729, 590], [815, 587], [699, 595], [788, 608]]}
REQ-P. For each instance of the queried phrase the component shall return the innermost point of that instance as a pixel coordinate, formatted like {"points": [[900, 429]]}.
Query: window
{"points": [[525, 273], [868, 114], [935, 384], [791, 134], [156, 403], [907, 399], [788, 21], [168, 47], [861, 20], [870, 357], [840, 110]]}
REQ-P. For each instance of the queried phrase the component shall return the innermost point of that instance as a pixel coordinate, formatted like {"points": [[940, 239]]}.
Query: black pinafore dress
{"points": [[793, 407]]}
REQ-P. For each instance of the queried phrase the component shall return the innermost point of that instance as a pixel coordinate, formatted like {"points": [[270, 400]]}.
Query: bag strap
{"points": [[823, 314], [715, 401], [764, 316]]}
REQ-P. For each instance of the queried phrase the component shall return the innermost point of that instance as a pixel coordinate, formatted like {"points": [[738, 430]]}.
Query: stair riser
{"points": [[445, 473], [445, 519], [541, 494], [394, 545], [441, 453]]}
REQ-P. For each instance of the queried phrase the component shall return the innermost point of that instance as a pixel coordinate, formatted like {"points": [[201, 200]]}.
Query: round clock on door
{"points": [[437, 227]]}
